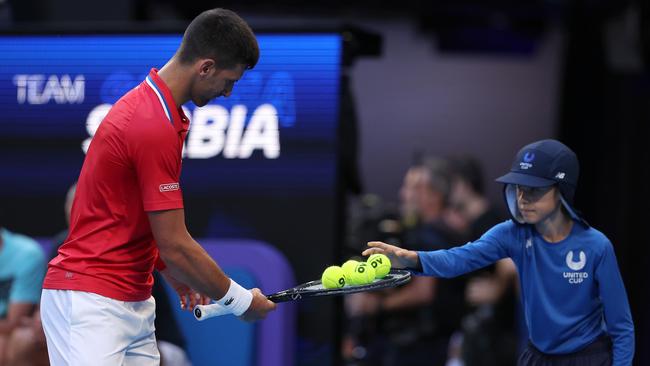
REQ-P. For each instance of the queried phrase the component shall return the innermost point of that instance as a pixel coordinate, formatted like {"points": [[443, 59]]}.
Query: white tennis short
{"points": [[83, 328]]}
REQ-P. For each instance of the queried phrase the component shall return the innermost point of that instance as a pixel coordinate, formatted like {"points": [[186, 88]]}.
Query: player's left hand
{"points": [[188, 296]]}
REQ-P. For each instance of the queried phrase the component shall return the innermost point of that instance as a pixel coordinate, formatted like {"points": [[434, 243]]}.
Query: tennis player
{"points": [[128, 218], [575, 303]]}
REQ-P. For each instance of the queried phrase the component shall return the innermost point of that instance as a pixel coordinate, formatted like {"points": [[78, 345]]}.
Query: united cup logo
{"points": [[576, 277]]}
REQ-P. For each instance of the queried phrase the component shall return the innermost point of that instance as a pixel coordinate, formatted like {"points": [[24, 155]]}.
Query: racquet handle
{"points": [[202, 312]]}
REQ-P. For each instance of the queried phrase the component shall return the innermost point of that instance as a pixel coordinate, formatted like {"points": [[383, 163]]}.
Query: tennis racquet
{"points": [[310, 289]]}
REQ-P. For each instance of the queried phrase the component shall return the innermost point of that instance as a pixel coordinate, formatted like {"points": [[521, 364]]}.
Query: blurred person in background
{"points": [[22, 268], [411, 325], [489, 328], [61, 236]]}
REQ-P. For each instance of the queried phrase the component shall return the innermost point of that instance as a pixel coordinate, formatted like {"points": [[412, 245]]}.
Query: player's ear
{"points": [[206, 66]]}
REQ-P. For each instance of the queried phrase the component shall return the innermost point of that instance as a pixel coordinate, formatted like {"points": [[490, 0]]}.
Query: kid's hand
{"points": [[399, 258]]}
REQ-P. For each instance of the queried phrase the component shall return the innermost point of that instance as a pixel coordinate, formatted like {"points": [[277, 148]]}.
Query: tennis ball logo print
{"points": [[380, 263], [576, 277], [333, 277], [363, 274]]}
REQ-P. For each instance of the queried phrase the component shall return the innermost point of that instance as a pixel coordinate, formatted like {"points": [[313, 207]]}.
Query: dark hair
{"points": [[222, 35], [469, 169]]}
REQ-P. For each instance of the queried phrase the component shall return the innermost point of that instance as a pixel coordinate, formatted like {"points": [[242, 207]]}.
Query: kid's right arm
{"points": [[446, 263]]}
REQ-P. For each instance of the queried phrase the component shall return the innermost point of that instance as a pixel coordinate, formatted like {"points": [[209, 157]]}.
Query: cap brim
{"points": [[525, 180]]}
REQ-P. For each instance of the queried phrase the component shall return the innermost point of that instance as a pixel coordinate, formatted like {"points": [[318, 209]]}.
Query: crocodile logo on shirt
{"points": [[576, 266], [168, 187]]}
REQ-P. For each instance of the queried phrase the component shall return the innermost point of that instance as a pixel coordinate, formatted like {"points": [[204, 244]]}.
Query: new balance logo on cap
{"points": [[168, 187], [560, 175]]}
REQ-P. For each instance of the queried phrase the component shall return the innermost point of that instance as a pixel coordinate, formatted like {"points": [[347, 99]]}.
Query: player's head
{"points": [[219, 46], [543, 178]]}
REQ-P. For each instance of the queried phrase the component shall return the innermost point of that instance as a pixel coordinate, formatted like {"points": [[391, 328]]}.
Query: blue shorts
{"points": [[598, 353]]}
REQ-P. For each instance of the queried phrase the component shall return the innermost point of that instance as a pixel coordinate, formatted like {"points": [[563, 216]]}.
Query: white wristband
{"points": [[237, 300]]}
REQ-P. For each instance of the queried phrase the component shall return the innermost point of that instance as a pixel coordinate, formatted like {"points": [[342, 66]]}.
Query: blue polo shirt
{"points": [[572, 290], [22, 268]]}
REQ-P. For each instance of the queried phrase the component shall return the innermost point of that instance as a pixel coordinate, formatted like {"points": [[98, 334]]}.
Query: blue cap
{"points": [[542, 164]]}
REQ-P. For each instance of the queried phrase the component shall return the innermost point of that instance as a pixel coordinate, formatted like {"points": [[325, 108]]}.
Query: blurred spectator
{"points": [[22, 268], [491, 292], [411, 325], [67, 208]]}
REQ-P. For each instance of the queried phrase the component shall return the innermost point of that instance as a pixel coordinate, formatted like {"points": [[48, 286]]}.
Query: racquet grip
{"points": [[202, 312]]}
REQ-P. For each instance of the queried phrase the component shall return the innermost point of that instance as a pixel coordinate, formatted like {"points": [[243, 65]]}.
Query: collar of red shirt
{"points": [[173, 112]]}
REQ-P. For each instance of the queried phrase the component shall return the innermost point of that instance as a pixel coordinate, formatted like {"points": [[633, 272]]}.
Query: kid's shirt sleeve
{"points": [[616, 307], [459, 260]]}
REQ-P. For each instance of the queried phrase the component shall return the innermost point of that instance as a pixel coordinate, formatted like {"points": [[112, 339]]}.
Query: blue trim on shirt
{"points": [[162, 96]]}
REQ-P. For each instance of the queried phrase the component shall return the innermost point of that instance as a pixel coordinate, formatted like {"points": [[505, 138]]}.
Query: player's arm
{"points": [[189, 263], [185, 259]]}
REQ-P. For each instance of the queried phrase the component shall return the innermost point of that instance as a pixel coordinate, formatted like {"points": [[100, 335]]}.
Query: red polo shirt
{"points": [[133, 166]]}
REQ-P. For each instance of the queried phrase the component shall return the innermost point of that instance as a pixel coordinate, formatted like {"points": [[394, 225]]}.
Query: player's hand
{"points": [[188, 297], [260, 307], [399, 258]]}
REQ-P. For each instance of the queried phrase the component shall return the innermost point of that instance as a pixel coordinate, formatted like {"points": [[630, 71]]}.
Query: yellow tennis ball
{"points": [[363, 274], [333, 277], [348, 270], [380, 263]]}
